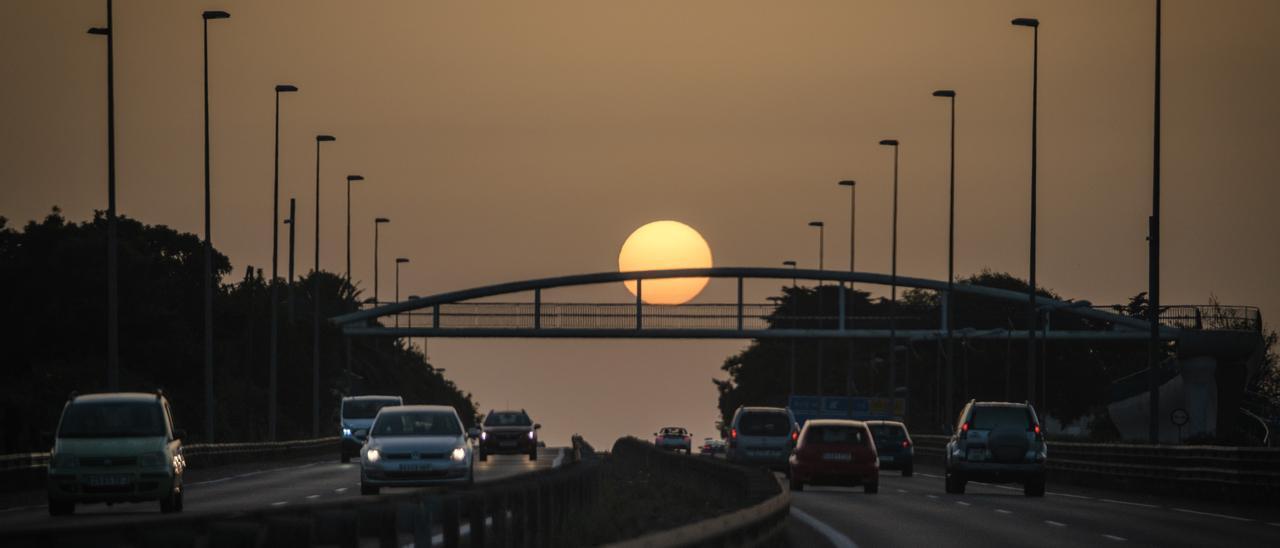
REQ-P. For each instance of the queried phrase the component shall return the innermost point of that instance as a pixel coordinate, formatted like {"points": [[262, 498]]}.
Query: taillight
{"points": [[964, 430], [1036, 429], [795, 435], [733, 433], [906, 444]]}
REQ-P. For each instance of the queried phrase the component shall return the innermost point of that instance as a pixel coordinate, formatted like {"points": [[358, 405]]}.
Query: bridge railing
{"points": [[1242, 473]]}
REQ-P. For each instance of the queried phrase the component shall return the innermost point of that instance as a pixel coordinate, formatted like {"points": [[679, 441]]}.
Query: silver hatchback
{"points": [[764, 436]]}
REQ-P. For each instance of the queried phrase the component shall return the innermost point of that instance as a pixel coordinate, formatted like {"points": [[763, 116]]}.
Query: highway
{"points": [[233, 489], [917, 512]]}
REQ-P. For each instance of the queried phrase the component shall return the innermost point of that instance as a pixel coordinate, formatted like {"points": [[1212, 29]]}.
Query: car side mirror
{"points": [[179, 433], [474, 433], [537, 426]]}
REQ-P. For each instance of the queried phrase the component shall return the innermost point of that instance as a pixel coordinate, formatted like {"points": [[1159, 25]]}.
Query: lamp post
{"points": [[791, 264], [822, 232], [893, 275], [951, 250], [275, 253], [792, 363], [315, 299], [293, 210], [113, 270], [410, 320], [399, 261], [350, 179], [376, 222], [1153, 257], [208, 243], [853, 200], [1031, 288]]}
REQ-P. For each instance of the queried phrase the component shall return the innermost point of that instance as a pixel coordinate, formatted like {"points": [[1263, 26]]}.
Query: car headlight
{"points": [[151, 460], [458, 454], [484, 436], [346, 432], [531, 434], [65, 461], [372, 455]]}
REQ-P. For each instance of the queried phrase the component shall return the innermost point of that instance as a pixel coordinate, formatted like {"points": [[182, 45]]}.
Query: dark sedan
{"points": [[508, 433], [893, 444]]}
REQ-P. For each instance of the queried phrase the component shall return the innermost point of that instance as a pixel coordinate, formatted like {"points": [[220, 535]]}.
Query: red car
{"points": [[835, 452]]}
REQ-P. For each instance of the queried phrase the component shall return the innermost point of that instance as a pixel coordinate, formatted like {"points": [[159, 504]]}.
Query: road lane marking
{"points": [[281, 503], [1115, 538], [931, 496], [340, 490], [313, 497], [1055, 523], [254, 473], [903, 491], [1002, 511], [928, 475], [963, 503], [33, 507], [1069, 495], [836, 538], [1274, 524], [1210, 514], [1114, 501]]}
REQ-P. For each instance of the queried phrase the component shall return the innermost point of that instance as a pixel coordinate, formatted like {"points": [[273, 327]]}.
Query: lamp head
{"points": [[400, 260], [354, 178], [945, 93], [100, 31], [325, 138], [214, 14], [1026, 22], [849, 182], [288, 222], [818, 224], [286, 88], [381, 220], [788, 263], [889, 142]]}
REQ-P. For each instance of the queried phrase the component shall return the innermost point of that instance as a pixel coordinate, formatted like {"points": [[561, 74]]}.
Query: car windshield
{"points": [[990, 418], [764, 424], [886, 433], [835, 434], [669, 431], [507, 419], [112, 420], [365, 409], [417, 423]]}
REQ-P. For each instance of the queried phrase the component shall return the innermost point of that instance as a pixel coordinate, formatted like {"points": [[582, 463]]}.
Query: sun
{"points": [[664, 245]]}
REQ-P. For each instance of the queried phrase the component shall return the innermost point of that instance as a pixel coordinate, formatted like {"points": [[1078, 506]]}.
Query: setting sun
{"points": [[665, 245]]}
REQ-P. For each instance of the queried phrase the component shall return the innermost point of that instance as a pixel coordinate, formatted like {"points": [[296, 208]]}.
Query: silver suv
{"points": [[997, 442], [763, 435]]}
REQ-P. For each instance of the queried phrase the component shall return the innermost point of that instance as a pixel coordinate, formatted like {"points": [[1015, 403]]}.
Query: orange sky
{"points": [[517, 140]]}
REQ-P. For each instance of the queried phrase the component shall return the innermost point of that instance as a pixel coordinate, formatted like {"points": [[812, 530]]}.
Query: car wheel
{"points": [[533, 455], [1034, 487], [366, 489], [796, 485], [60, 508], [871, 488], [168, 505], [177, 503], [908, 470], [345, 457], [955, 485], [483, 456]]}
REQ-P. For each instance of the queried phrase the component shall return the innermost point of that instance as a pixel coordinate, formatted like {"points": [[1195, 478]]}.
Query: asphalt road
{"points": [[916, 511], [209, 492]]}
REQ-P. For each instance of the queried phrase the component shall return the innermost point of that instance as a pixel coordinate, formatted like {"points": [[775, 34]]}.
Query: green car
{"points": [[118, 447]]}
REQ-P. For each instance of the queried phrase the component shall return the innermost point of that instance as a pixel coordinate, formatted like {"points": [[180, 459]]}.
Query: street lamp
{"points": [[822, 230], [893, 272], [376, 222], [791, 264], [1031, 287], [399, 261], [113, 269], [315, 298], [853, 200], [275, 253], [792, 362], [951, 248], [293, 210], [208, 243], [1153, 258], [350, 179]]}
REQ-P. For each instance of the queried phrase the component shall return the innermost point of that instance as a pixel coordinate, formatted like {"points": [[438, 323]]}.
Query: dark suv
{"points": [[997, 442], [508, 433]]}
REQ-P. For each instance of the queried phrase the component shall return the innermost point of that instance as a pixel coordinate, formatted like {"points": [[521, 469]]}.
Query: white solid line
{"points": [[932, 496], [1210, 514], [1113, 501], [1274, 524], [17, 508], [254, 473], [963, 503], [340, 490], [836, 538], [281, 503], [1070, 495], [313, 496], [1115, 538], [928, 475], [1055, 523], [1002, 511]]}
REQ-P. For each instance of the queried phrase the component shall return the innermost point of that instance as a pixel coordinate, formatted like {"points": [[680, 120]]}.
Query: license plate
{"points": [[109, 481], [977, 454], [845, 457], [764, 453], [507, 444], [415, 468], [886, 458]]}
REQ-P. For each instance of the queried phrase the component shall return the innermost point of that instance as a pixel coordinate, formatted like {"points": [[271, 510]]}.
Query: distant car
{"points": [[507, 433], [673, 438], [835, 452], [894, 446], [712, 447], [117, 447], [764, 436], [415, 446], [356, 415], [997, 442]]}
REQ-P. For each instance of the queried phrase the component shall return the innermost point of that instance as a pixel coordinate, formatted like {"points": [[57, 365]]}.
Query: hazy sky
{"points": [[511, 140]]}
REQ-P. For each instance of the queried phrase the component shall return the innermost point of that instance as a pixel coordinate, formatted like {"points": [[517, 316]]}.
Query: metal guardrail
{"points": [[1246, 472]]}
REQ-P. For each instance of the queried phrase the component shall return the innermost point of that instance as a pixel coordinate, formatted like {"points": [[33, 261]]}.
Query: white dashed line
{"points": [[1002, 511], [1210, 514], [1274, 524], [1055, 523], [1069, 495], [1139, 504], [281, 503], [928, 475], [903, 491], [313, 497], [936, 496], [1115, 538], [962, 503], [340, 490], [836, 538], [17, 508]]}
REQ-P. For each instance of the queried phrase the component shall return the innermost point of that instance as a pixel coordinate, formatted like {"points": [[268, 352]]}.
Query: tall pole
{"points": [[293, 209], [399, 261], [113, 269], [1031, 287], [1153, 268], [893, 282], [315, 298], [791, 363], [853, 224], [376, 222], [275, 259], [350, 178], [949, 302], [822, 231], [208, 244]]}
